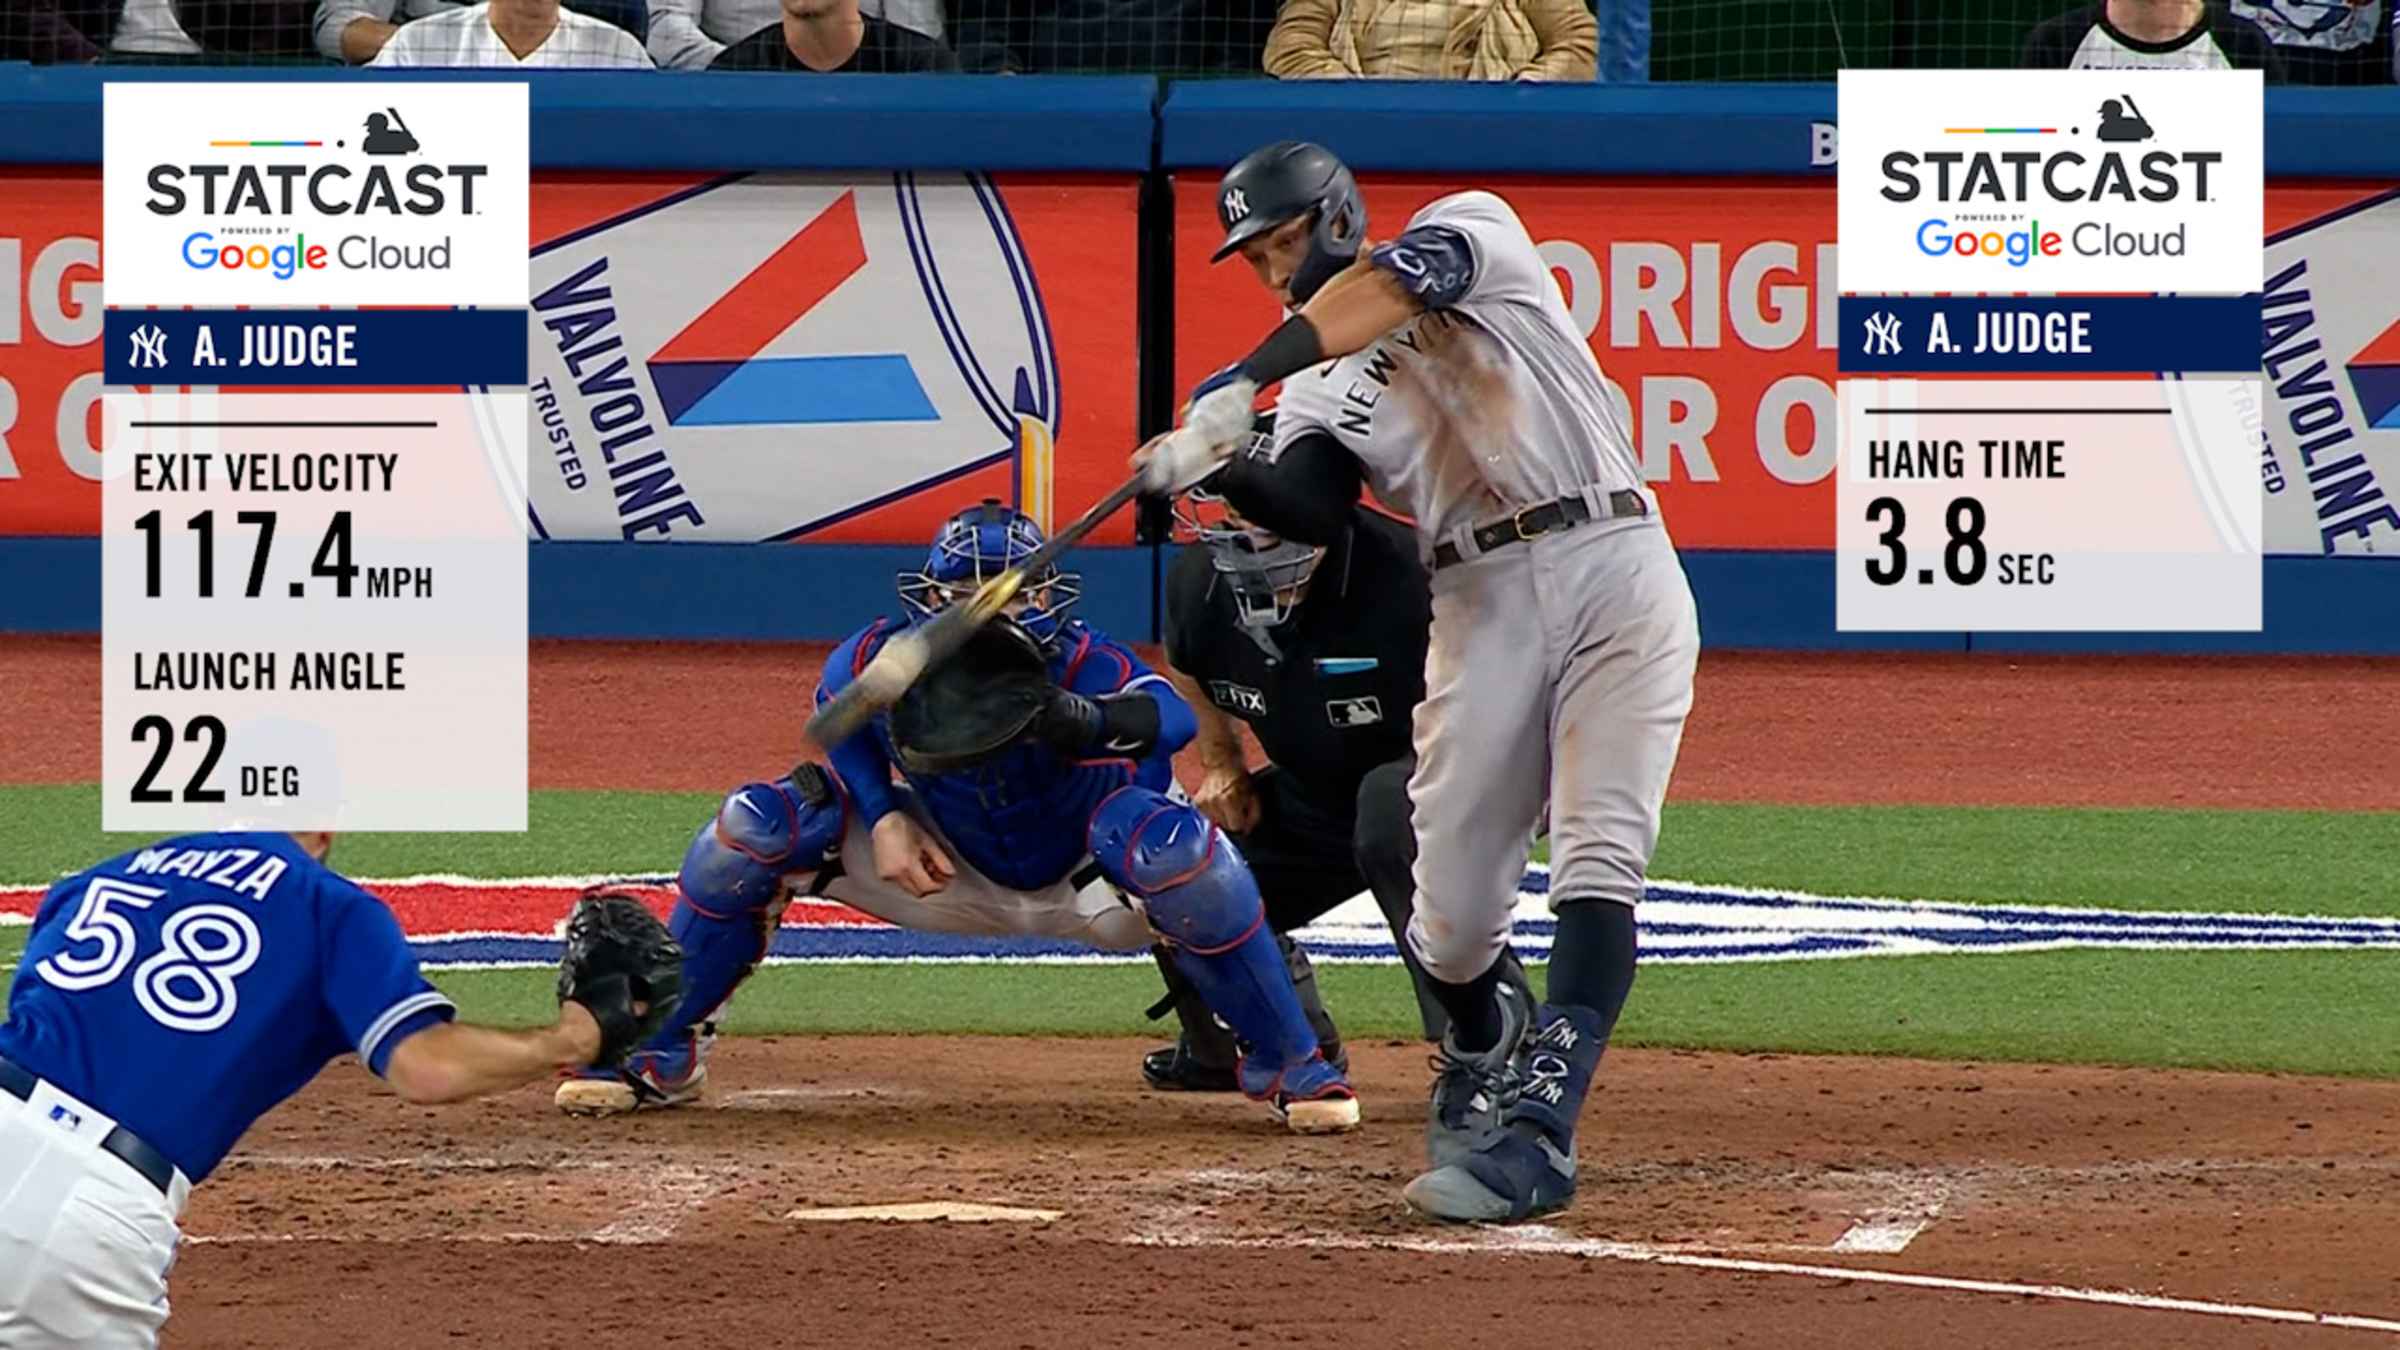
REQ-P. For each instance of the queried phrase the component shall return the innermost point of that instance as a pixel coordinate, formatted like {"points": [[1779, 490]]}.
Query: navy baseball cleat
{"points": [[647, 1078], [1311, 1097], [1526, 1167], [1468, 1088]]}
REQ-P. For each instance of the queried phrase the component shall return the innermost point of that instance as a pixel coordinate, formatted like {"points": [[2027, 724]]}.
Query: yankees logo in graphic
{"points": [[1237, 205], [149, 347], [1883, 333]]}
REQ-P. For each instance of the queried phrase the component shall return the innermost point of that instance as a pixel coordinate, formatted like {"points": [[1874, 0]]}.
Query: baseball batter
{"points": [[1442, 369], [170, 996]]}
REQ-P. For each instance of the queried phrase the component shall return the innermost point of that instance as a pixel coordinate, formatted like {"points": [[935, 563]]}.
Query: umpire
{"points": [[1321, 651]]}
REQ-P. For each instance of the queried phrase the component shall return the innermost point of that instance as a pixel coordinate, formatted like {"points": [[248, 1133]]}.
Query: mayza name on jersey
{"points": [[2064, 176], [248, 192], [245, 871]]}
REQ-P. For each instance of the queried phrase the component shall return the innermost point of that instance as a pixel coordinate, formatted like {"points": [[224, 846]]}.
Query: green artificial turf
{"points": [[2316, 862], [2316, 1012]]}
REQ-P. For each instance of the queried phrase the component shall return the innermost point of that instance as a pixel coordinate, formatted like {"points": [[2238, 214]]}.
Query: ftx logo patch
{"points": [[1239, 698]]}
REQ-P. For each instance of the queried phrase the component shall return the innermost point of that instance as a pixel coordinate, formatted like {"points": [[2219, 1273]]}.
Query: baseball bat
{"points": [[904, 660]]}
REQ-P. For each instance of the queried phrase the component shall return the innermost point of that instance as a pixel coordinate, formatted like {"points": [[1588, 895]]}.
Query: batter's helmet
{"points": [[1285, 181], [978, 544]]}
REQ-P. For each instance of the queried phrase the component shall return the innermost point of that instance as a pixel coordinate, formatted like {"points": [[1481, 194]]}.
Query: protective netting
{"points": [[2316, 41]]}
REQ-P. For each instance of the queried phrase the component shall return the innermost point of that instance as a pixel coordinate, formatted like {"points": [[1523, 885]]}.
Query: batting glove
{"points": [[1221, 417], [1181, 459]]}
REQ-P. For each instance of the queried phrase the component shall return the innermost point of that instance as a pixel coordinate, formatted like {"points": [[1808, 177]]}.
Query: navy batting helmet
{"points": [[1285, 181], [978, 544]]}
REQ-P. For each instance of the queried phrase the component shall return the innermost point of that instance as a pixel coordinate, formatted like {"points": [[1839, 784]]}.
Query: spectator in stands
{"points": [[2151, 35], [832, 36], [1167, 37], [354, 30], [512, 33], [250, 30], [2327, 41], [148, 31], [688, 34], [1435, 40], [53, 32]]}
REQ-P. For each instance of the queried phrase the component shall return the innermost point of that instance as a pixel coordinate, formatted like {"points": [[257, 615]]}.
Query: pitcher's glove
{"points": [[618, 955], [976, 704]]}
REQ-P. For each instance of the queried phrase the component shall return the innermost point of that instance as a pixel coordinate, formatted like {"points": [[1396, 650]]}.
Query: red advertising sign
{"points": [[1710, 304], [834, 360]]}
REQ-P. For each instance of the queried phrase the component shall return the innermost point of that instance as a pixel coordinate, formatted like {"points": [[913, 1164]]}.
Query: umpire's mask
{"points": [[1265, 572]]}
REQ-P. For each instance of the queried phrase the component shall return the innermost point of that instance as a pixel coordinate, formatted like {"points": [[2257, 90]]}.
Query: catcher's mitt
{"points": [[617, 955], [976, 704]]}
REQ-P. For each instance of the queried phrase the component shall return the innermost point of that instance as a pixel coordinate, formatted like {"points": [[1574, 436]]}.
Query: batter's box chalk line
{"points": [[1543, 1241]]}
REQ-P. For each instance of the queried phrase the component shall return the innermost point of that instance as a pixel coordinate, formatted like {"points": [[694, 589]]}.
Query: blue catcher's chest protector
{"points": [[1019, 817]]}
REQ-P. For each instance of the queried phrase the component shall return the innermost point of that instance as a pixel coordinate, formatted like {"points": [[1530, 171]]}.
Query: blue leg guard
{"points": [[1201, 898], [730, 892]]}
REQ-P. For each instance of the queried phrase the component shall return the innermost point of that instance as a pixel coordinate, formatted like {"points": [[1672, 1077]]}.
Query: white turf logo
{"points": [[1681, 923], [1237, 206]]}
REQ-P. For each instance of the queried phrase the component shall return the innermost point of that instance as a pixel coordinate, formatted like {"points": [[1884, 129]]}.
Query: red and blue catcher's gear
{"points": [[729, 897], [978, 544], [1199, 896], [1019, 816]]}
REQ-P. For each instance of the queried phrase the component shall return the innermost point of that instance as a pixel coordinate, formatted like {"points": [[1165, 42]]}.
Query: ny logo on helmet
{"points": [[1237, 205]]}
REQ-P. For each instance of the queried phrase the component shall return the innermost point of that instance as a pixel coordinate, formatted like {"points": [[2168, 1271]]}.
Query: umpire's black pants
{"points": [[1309, 856]]}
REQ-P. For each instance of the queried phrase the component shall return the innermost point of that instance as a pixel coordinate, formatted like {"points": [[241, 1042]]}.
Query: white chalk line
{"points": [[669, 1193], [1542, 1241]]}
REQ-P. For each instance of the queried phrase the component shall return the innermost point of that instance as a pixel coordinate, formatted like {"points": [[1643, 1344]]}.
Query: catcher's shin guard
{"points": [[1200, 897], [732, 888]]}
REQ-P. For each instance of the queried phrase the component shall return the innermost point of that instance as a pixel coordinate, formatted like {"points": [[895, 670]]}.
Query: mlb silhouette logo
{"points": [[1354, 712], [60, 1115]]}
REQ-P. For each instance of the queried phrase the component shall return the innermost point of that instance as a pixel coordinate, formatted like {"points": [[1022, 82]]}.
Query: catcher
{"points": [[1033, 800], [171, 996]]}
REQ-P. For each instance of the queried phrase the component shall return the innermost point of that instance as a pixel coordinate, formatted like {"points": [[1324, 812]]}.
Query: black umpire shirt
{"points": [[1337, 701]]}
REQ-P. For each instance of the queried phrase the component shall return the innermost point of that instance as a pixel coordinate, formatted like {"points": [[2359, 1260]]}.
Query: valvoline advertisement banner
{"points": [[735, 358]]}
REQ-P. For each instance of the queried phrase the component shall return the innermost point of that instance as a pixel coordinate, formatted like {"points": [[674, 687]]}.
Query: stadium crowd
{"points": [[2300, 41]]}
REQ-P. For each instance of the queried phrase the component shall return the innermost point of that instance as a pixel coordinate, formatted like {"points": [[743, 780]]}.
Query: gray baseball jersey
{"points": [[1560, 669], [1470, 412]]}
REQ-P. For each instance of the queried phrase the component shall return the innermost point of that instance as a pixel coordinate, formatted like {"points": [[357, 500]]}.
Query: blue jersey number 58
{"points": [[187, 984]]}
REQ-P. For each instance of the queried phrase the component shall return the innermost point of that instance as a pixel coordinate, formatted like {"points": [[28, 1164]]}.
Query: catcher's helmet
{"points": [[978, 544], [1285, 181]]}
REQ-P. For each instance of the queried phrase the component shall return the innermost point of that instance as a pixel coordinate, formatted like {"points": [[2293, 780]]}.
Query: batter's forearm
{"points": [[1359, 305]]}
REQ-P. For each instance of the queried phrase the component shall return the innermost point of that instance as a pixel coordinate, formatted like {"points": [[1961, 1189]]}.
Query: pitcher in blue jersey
{"points": [[1067, 833], [169, 997]]}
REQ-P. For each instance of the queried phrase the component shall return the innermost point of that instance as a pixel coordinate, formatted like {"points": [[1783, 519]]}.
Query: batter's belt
{"points": [[1533, 522]]}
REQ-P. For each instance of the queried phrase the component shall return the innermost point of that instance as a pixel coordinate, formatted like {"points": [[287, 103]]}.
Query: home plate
{"points": [[922, 1211]]}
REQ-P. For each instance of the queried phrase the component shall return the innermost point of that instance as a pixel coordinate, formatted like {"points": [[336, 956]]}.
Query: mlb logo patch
{"points": [[1354, 712], [60, 1115]]}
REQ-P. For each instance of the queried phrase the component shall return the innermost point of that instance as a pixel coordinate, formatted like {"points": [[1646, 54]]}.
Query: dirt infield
{"points": [[349, 1220], [1799, 728]]}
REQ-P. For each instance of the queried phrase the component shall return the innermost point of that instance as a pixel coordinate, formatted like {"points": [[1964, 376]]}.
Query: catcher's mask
{"points": [[1265, 572], [978, 544]]}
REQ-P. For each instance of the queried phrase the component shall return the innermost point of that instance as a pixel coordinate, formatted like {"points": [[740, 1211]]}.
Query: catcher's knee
{"points": [[763, 833], [1191, 880]]}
